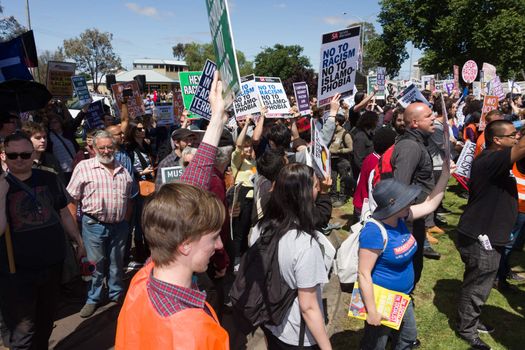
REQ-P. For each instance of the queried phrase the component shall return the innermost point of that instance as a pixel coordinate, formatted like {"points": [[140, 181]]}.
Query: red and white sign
{"points": [[489, 103], [469, 72]]}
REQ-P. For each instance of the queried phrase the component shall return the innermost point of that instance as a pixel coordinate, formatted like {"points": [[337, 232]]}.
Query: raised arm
{"points": [[124, 115], [257, 132], [365, 101]]}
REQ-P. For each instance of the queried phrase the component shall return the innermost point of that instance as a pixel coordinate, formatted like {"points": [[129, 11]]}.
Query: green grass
{"points": [[436, 295]]}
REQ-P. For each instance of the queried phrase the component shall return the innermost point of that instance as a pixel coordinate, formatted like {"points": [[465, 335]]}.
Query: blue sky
{"points": [[146, 28]]}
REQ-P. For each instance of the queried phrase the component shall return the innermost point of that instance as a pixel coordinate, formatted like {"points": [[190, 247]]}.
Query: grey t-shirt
{"points": [[302, 266]]}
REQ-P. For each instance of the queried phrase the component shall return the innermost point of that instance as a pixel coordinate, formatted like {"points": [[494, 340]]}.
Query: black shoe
{"points": [[442, 210], [479, 344], [416, 344], [513, 276], [440, 221], [430, 253], [485, 329]]}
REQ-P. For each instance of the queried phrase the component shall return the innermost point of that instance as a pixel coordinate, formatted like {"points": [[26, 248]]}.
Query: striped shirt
{"points": [[103, 195]]}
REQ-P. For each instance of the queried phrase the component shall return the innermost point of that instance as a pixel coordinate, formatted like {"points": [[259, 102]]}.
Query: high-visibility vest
{"points": [[141, 327], [480, 144], [520, 181]]}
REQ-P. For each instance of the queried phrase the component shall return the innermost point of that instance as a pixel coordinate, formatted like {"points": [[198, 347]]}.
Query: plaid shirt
{"points": [[198, 173], [169, 299], [103, 195]]}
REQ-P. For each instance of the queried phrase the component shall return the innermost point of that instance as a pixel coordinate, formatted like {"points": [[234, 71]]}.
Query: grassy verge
{"points": [[437, 292]]}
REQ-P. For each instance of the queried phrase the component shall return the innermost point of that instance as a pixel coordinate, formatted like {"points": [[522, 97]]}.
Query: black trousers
{"points": [[341, 167], [275, 343], [28, 302], [241, 225], [417, 227]]}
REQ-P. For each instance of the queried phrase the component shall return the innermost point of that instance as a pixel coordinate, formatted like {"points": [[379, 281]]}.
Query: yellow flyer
{"points": [[391, 304]]}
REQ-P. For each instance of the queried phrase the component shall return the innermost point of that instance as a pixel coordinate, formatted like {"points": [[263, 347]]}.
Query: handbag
{"points": [[146, 187]]}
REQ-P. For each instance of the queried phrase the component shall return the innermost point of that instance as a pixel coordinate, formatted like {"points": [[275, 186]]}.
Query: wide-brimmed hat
{"points": [[392, 196]]}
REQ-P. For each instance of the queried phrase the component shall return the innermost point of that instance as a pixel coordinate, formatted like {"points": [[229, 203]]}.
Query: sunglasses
{"points": [[140, 129], [23, 155]]}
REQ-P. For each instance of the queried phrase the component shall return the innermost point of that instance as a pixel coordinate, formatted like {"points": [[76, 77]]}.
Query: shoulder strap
{"points": [[64, 144], [382, 229]]}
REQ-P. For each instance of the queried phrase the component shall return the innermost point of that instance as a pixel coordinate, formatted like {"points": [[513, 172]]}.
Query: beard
{"points": [[105, 159]]}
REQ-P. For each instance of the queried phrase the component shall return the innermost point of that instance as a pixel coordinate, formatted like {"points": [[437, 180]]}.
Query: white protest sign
{"points": [[321, 153], [464, 163], [164, 114], [273, 96], [339, 55], [425, 80], [247, 102], [381, 80], [469, 72], [476, 89], [489, 71], [171, 174], [411, 94]]}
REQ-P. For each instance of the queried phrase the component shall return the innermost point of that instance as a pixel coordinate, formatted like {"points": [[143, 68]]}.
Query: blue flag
{"points": [[12, 64]]}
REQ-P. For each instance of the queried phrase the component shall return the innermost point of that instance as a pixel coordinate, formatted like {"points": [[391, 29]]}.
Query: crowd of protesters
{"points": [[106, 206]]}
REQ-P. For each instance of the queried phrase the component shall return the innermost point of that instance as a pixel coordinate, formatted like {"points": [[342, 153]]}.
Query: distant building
{"points": [[169, 68]]}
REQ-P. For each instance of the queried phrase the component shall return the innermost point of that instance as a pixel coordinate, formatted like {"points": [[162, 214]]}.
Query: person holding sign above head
{"points": [[485, 226], [388, 262]]}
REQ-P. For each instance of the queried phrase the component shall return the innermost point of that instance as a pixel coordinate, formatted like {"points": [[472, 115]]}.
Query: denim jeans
{"points": [[376, 337], [515, 235], [105, 245]]}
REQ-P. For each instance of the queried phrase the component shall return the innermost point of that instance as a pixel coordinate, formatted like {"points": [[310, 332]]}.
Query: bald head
{"points": [[419, 116]]}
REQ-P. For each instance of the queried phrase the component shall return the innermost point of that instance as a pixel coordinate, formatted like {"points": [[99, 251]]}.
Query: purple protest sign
{"points": [[302, 99]]}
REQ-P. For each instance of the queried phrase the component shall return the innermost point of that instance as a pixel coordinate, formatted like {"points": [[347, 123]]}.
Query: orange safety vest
{"points": [[520, 181], [474, 128], [480, 144], [141, 327]]}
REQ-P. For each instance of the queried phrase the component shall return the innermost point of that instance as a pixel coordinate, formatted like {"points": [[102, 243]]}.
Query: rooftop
{"points": [[158, 61]]}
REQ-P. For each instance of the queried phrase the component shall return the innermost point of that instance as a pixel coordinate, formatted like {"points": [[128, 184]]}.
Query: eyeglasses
{"points": [[23, 155], [109, 148], [512, 135]]}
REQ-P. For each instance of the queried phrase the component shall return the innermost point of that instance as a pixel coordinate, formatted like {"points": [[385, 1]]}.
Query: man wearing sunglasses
{"points": [[34, 204]]}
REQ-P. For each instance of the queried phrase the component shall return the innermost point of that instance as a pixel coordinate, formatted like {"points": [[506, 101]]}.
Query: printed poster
{"points": [[248, 101], [381, 80], [489, 103], [171, 174], [273, 96], [337, 71], [302, 98], [94, 115], [489, 71], [135, 103], [81, 90], [224, 47], [164, 113], [188, 85], [320, 152], [497, 88], [59, 78], [200, 104], [469, 72], [411, 94], [178, 106]]}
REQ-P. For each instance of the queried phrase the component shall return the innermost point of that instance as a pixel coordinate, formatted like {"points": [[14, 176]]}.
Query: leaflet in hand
{"points": [[391, 304]]}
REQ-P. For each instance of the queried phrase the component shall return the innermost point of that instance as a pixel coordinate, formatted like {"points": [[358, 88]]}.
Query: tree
{"points": [[93, 53], [9, 27], [369, 38], [452, 32], [43, 59], [287, 63], [195, 55]]}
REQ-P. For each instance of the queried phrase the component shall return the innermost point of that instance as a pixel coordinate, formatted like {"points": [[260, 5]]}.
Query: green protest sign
{"points": [[171, 174], [188, 85], [222, 38]]}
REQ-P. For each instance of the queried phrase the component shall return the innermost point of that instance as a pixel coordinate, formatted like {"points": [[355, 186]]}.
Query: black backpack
{"points": [[259, 294]]}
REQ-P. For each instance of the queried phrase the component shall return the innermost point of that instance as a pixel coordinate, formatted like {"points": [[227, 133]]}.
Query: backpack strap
{"points": [[382, 229]]}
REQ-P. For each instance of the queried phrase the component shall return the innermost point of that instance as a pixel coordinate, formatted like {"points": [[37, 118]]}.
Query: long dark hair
{"points": [[291, 203]]}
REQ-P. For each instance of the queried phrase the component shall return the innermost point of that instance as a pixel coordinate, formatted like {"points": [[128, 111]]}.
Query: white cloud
{"points": [[145, 11], [338, 21]]}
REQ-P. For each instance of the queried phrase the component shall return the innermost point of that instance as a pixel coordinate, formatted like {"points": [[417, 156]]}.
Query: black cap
{"points": [[181, 133]]}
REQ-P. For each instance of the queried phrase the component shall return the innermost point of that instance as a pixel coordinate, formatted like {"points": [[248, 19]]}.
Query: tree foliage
{"points": [[93, 53], [195, 55], [369, 38], [9, 27], [287, 63], [452, 32], [44, 58]]}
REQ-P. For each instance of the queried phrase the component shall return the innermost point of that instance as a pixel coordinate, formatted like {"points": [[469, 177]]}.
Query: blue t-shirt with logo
{"points": [[394, 269]]}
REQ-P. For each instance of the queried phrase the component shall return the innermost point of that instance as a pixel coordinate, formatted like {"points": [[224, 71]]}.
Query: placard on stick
{"points": [[248, 101], [59, 78], [134, 103], [273, 96], [81, 90], [200, 104], [302, 98], [188, 84]]}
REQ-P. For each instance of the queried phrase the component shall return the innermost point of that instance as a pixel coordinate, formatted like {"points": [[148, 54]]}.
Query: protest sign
{"points": [[59, 78], [339, 54], [465, 159], [200, 104], [94, 115], [425, 80], [302, 98], [320, 152], [188, 85], [476, 89], [134, 103], [171, 174], [489, 103], [273, 96], [178, 106], [247, 102], [456, 78], [489, 71], [446, 132], [381, 80], [164, 114], [224, 47], [469, 72], [81, 89], [497, 88], [411, 94], [448, 86]]}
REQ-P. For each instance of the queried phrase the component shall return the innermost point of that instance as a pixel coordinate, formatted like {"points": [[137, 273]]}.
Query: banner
{"points": [[337, 71], [12, 64], [224, 47], [489, 71], [94, 115], [164, 114], [59, 78], [302, 98], [188, 85], [81, 89], [273, 96], [200, 104], [171, 174], [489, 103], [464, 163], [469, 72], [247, 102], [135, 103], [411, 94]]}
